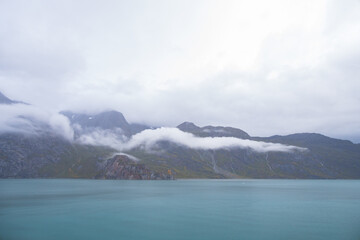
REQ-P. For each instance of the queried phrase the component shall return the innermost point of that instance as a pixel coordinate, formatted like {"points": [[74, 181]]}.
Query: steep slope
{"points": [[45, 155], [244, 163], [30, 156], [122, 167], [342, 156]]}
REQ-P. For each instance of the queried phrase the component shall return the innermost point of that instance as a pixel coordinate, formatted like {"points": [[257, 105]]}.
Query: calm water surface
{"points": [[182, 209]]}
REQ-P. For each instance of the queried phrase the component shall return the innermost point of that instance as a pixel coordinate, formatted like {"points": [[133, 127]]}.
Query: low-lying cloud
{"points": [[149, 138], [30, 119], [33, 120], [113, 138]]}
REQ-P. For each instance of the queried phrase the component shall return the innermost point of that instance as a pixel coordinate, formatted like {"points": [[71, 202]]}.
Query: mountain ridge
{"points": [[46, 154], [213, 131]]}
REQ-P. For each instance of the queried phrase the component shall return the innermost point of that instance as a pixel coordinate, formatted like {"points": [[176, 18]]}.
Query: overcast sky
{"points": [[267, 67]]}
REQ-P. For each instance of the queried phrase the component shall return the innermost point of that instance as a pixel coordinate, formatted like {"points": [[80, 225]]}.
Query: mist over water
{"points": [[184, 209]]}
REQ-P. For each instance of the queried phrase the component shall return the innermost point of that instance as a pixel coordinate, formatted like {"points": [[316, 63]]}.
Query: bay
{"points": [[182, 209]]}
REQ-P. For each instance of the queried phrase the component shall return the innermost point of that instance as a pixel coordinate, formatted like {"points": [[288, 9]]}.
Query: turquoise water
{"points": [[182, 209]]}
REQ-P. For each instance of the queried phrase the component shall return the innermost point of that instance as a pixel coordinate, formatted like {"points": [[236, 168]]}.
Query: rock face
{"points": [[122, 167], [22, 156]]}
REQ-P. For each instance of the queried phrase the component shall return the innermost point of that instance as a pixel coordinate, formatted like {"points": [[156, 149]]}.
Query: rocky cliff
{"points": [[122, 167]]}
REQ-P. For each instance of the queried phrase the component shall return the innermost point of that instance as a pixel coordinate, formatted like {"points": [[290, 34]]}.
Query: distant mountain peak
{"points": [[5, 100], [108, 120], [213, 131], [187, 126]]}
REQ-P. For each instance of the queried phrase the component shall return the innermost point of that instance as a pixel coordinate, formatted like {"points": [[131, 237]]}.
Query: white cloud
{"points": [[60, 124], [33, 120], [148, 139], [112, 138]]}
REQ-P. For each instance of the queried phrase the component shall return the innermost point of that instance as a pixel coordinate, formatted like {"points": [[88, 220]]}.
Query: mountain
{"points": [[40, 152], [319, 162], [310, 140], [109, 120], [342, 156], [211, 131], [50, 156], [325, 157], [47, 155]]}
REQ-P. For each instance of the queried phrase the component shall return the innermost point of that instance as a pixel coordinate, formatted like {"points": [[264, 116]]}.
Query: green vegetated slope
{"points": [[244, 163], [330, 157], [81, 162], [49, 156]]}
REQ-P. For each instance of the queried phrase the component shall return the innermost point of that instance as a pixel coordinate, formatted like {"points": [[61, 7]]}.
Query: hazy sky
{"points": [[267, 67]]}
